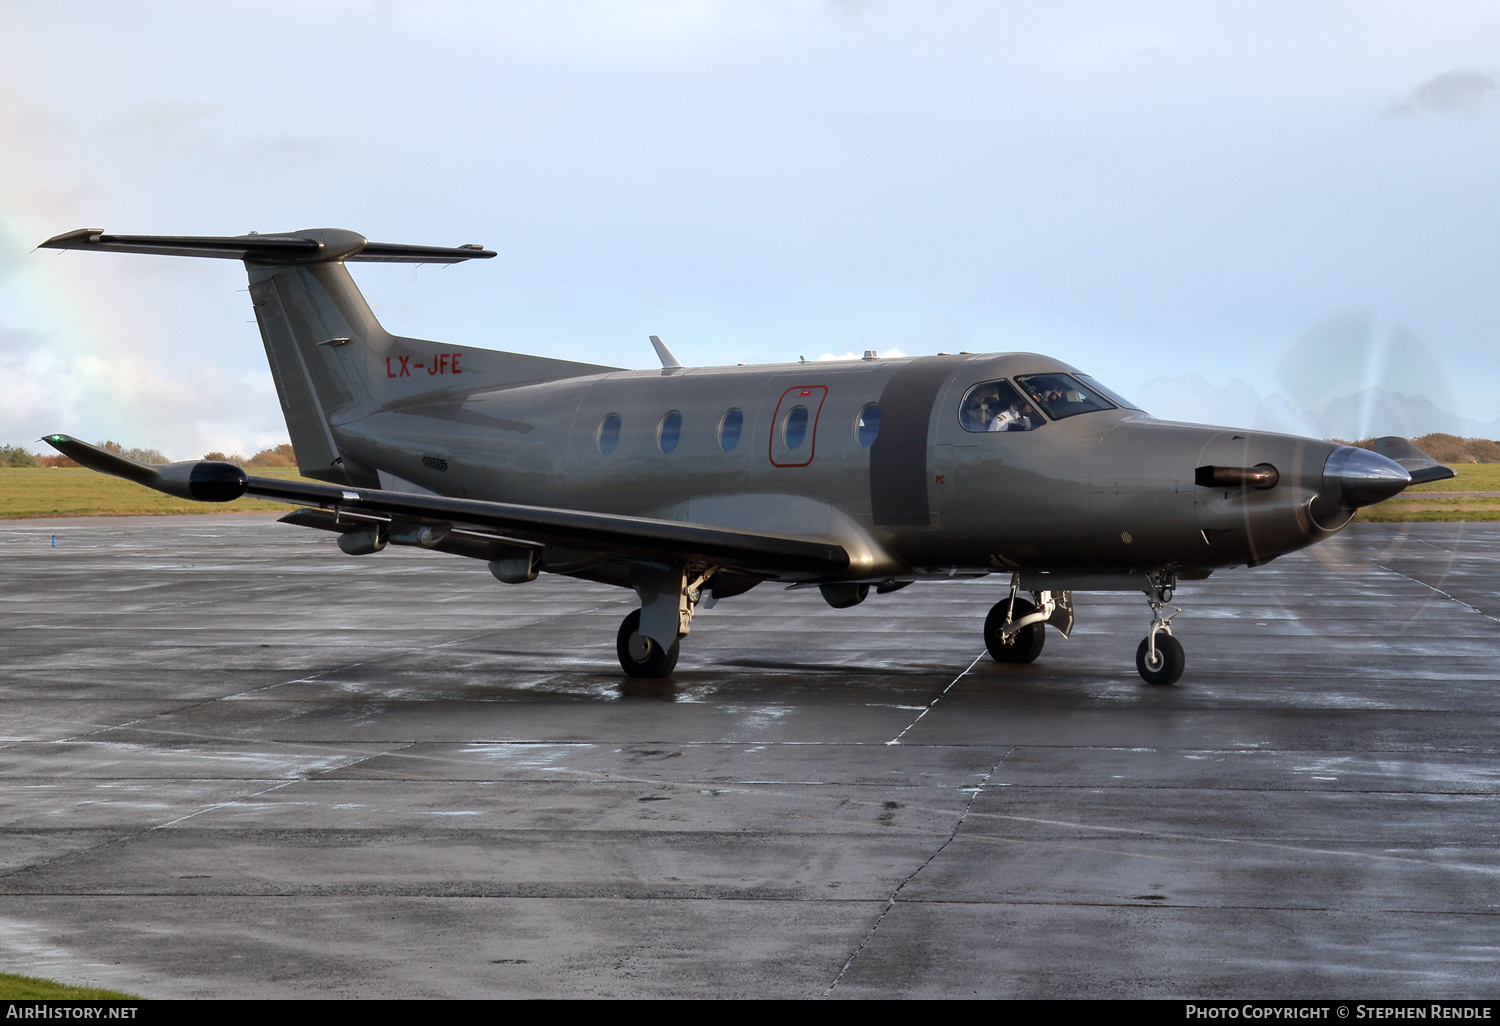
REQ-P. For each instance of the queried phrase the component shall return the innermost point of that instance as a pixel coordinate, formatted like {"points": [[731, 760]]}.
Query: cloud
{"points": [[1452, 92], [163, 117], [852, 9], [210, 132], [183, 410], [280, 151], [1194, 399], [1361, 413]]}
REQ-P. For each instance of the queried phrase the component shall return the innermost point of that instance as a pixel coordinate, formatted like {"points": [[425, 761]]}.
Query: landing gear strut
{"points": [[1160, 659], [1015, 630], [650, 638]]}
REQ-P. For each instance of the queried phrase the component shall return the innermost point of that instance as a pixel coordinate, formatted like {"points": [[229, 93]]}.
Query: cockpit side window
{"points": [[997, 406], [1062, 395]]}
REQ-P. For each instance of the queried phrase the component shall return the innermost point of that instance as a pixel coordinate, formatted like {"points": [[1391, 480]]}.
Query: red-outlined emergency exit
{"points": [[794, 428]]}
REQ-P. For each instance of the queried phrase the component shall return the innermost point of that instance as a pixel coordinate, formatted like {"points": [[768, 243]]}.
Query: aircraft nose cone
{"points": [[1357, 477]]}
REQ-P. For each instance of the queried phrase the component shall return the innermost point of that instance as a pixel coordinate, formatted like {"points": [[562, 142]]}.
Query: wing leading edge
{"points": [[476, 523]]}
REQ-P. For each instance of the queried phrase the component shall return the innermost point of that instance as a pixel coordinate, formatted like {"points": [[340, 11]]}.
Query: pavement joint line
{"points": [[1178, 859], [1205, 839], [9, 896], [1447, 549], [1440, 591], [134, 834], [305, 679], [722, 785], [1323, 909], [974, 794], [1414, 753], [930, 705]]}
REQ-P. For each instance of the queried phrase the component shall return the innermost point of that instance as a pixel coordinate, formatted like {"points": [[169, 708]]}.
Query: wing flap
{"points": [[439, 536]]}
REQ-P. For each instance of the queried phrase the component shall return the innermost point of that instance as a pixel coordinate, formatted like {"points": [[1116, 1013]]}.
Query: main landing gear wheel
{"points": [[1021, 647], [641, 656], [1168, 663]]}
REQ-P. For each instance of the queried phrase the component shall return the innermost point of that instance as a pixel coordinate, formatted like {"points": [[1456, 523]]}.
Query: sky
{"points": [[1261, 214]]}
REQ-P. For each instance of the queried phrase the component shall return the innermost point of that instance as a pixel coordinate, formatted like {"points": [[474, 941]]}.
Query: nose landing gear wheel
{"points": [[1024, 645], [1167, 667], [641, 656]]}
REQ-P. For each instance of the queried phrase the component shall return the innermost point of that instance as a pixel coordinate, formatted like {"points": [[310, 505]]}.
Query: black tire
{"points": [[1024, 645], [1170, 660], [658, 663]]}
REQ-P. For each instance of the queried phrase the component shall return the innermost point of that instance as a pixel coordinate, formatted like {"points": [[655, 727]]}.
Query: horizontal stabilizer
{"points": [[1422, 467], [631, 538], [310, 246]]}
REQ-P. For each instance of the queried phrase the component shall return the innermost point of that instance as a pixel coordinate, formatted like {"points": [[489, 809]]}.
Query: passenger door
{"points": [[794, 426]]}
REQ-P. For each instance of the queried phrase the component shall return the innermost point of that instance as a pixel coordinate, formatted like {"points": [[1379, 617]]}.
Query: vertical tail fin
{"points": [[331, 359], [302, 309]]}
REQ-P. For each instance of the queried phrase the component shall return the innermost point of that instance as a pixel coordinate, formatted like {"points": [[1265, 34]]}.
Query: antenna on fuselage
{"points": [[668, 361]]}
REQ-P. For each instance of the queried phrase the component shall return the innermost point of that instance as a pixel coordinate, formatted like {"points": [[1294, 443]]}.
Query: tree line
{"points": [[19, 456]]}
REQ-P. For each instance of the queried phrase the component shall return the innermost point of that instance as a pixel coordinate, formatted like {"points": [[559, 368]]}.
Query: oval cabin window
{"points": [[669, 431], [867, 425], [729, 429], [794, 427], [609, 433]]}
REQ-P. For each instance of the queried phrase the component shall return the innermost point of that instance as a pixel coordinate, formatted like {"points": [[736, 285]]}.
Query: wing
{"points": [[486, 530]]}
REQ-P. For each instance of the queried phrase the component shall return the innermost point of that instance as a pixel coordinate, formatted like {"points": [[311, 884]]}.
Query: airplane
{"points": [[693, 485]]}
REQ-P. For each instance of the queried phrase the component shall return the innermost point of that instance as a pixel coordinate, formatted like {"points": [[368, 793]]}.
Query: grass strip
{"points": [[30, 988], [1472, 477], [76, 492]]}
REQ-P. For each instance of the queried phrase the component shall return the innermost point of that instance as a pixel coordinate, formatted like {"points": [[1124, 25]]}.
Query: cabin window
{"points": [[669, 431], [729, 429], [794, 427], [609, 433], [1061, 395], [997, 406], [867, 425]]}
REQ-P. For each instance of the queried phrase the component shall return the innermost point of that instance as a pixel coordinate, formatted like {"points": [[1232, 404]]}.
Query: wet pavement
{"points": [[239, 763]]}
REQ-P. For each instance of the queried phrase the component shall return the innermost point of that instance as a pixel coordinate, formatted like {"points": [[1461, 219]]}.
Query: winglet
{"points": [[668, 361], [1422, 467]]}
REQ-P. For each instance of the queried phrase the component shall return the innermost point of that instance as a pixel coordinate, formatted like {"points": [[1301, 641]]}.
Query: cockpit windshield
{"points": [[1113, 397], [997, 406], [1062, 395]]}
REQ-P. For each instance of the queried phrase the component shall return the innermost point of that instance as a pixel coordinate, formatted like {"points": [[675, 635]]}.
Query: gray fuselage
{"points": [[1104, 491]]}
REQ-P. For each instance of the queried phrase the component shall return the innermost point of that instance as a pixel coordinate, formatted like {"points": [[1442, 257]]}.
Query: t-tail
{"points": [[333, 363]]}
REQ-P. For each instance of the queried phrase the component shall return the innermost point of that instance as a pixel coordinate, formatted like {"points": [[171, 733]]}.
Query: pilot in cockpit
{"points": [[997, 407], [1002, 418]]}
